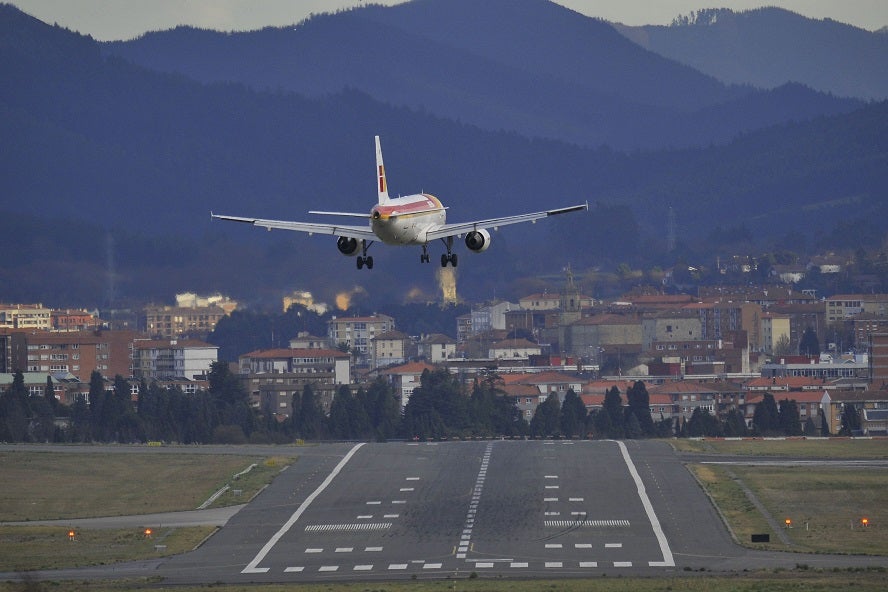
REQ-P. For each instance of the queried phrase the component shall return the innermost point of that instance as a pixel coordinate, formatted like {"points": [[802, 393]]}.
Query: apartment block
{"points": [[170, 359], [356, 333], [74, 352], [273, 377], [25, 316], [172, 322]]}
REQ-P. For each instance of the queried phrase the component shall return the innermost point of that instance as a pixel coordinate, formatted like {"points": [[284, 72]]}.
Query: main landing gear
{"points": [[363, 258], [448, 257]]}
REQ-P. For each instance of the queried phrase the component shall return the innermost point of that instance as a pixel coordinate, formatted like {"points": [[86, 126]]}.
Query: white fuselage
{"points": [[406, 220]]}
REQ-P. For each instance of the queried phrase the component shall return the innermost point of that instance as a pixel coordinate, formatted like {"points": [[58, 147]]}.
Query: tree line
{"points": [[442, 407]]}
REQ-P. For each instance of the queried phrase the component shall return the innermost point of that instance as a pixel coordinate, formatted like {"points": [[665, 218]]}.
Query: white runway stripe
{"points": [[348, 527], [587, 523]]}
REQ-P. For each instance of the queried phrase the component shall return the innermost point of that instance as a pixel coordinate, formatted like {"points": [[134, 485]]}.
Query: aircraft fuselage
{"points": [[406, 220]]}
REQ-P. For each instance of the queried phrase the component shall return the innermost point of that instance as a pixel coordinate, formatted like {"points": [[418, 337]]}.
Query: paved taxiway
{"points": [[498, 508]]}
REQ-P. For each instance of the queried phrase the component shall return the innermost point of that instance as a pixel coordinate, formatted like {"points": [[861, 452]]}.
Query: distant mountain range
{"points": [[109, 168], [769, 47], [530, 66]]}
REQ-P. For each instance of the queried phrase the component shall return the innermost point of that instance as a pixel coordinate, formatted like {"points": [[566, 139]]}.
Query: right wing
{"points": [[358, 232], [463, 227]]}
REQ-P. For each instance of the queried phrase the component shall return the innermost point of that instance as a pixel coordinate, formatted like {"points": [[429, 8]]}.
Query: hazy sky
{"points": [[125, 19]]}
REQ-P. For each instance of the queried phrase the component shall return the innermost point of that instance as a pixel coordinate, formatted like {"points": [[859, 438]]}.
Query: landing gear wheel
{"points": [[444, 260], [360, 262], [369, 262], [453, 260]]}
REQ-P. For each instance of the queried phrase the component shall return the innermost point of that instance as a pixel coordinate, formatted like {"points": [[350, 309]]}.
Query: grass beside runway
{"points": [[65, 486], [825, 505], [53, 486], [27, 548], [831, 448]]}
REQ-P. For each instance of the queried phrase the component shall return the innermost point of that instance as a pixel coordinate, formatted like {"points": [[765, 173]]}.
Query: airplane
{"points": [[411, 220]]}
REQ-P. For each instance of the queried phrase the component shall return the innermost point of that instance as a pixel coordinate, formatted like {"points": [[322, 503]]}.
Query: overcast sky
{"points": [[125, 19]]}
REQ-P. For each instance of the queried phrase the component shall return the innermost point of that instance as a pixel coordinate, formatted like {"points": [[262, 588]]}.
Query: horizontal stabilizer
{"points": [[349, 214]]}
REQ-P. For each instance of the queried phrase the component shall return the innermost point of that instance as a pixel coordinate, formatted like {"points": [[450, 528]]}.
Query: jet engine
{"points": [[478, 240], [347, 246]]}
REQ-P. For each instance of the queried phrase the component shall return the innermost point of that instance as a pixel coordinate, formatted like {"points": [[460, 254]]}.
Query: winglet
{"points": [[382, 187]]}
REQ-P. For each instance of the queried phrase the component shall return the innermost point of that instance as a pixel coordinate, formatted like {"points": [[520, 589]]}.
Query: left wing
{"points": [[463, 227], [358, 232]]}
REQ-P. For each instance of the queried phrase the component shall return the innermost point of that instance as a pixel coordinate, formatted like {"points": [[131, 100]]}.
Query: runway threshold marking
{"points": [[668, 560], [252, 566]]}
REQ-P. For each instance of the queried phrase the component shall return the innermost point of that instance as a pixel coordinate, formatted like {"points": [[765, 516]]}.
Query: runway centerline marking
{"points": [[252, 566]]}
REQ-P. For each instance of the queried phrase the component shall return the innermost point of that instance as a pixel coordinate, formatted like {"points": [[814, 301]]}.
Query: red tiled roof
{"points": [[282, 352], [410, 368]]}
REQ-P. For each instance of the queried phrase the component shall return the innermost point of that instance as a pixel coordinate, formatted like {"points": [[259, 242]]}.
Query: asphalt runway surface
{"points": [[497, 508]]}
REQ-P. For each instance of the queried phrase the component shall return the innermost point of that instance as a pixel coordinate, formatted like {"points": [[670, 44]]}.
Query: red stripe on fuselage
{"points": [[414, 204]]}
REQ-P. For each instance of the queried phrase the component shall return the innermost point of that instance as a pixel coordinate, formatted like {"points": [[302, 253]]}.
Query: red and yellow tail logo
{"points": [[382, 179]]}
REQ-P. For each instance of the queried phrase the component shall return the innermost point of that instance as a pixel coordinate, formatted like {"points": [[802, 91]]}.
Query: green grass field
{"points": [[833, 448], [51, 486], [26, 548]]}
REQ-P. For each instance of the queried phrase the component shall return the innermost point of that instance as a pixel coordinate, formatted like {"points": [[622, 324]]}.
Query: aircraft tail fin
{"points": [[382, 187]]}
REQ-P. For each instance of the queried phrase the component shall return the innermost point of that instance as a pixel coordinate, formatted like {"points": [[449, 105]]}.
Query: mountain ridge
{"points": [[528, 66], [768, 47]]}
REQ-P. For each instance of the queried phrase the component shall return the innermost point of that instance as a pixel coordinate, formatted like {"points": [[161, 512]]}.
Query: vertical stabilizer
{"points": [[381, 186]]}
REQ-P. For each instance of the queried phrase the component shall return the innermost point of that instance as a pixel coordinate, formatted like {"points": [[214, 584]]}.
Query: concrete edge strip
{"points": [[668, 560]]}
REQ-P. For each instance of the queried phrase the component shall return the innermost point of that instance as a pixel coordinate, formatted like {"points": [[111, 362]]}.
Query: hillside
{"points": [[528, 66], [109, 169], [769, 47]]}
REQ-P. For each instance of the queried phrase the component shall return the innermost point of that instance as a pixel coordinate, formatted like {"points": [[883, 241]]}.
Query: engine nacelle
{"points": [[347, 245], [478, 240]]}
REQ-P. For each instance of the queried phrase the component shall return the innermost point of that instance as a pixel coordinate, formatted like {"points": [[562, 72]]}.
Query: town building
{"points": [[173, 322], [305, 340], [405, 378], [169, 359], [878, 346], [665, 326], [843, 307], [25, 316], [871, 406], [74, 320], [588, 337], [74, 352], [774, 333], [513, 349], [436, 348], [356, 333], [273, 377], [390, 348]]}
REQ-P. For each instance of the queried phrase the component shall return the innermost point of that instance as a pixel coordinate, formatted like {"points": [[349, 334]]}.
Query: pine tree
{"points": [[573, 415], [788, 417], [545, 418], [640, 406], [809, 345], [765, 420], [613, 406]]}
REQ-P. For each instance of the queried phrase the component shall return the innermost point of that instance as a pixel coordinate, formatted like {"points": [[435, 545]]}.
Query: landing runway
{"points": [[510, 508]]}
